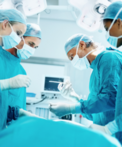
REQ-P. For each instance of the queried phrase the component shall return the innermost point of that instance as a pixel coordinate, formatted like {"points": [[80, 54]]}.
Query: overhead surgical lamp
{"points": [[89, 19], [28, 7], [32, 7], [101, 5]]}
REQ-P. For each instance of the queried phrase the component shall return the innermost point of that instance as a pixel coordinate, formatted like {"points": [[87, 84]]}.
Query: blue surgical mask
{"points": [[81, 63], [26, 52], [11, 40], [112, 40]]}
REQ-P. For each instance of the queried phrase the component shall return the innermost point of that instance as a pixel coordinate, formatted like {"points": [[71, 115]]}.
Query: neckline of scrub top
{"points": [[95, 61], [9, 55]]}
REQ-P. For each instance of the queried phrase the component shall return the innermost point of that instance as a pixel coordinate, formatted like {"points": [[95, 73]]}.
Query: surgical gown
{"points": [[10, 67], [36, 132], [118, 113], [3, 107], [104, 80]]}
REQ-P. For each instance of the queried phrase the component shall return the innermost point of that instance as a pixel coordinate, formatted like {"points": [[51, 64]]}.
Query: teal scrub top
{"points": [[10, 67], [104, 80]]}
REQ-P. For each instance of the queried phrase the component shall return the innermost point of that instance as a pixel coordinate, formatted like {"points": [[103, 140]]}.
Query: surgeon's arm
{"points": [[110, 129], [118, 112], [15, 82], [104, 100], [15, 112], [26, 113]]}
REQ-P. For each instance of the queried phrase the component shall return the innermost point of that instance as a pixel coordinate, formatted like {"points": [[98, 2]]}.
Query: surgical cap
{"points": [[112, 10], [12, 15], [74, 40], [33, 30]]}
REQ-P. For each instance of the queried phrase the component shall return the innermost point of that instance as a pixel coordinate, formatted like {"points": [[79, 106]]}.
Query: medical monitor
{"points": [[51, 83]]}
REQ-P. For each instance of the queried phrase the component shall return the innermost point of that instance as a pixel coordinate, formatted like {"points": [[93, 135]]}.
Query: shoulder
{"points": [[108, 56]]}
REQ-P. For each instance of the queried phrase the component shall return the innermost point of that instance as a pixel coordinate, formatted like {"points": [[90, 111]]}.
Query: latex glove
{"points": [[103, 129], [67, 91], [62, 109], [15, 82], [19, 81], [113, 127]]}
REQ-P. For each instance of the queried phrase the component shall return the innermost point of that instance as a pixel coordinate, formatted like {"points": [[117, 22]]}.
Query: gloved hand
{"points": [[19, 81], [62, 109], [67, 91], [15, 82], [103, 129]]}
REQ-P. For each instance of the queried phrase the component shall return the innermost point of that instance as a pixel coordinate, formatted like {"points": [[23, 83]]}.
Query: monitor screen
{"points": [[51, 83]]}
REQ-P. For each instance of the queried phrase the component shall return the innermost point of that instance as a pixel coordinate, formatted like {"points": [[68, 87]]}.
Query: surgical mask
{"points": [[81, 63], [11, 40], [112, 40], [26, 52]]}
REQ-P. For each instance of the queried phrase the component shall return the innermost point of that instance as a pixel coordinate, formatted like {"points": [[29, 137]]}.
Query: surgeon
{"points": [[10, 60], [12, 28], [83, 54], [112, 21]]}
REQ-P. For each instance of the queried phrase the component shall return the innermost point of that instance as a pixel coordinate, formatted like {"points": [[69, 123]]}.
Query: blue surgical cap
{"points": [[112, 10], [33, 30], [12, 15], [74, 40]]}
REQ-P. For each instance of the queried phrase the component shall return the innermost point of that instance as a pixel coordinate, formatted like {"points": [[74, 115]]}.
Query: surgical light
{"points": [[100, 6], [100, 9], [89, 19], [32, 7]]}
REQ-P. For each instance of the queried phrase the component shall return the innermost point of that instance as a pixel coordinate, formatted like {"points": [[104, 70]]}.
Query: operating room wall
{"points": [[54, 35]]}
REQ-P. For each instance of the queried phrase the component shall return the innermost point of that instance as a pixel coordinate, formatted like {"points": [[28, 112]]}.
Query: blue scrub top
{"points": [[3, 107], [103, 85], [11, 67]]}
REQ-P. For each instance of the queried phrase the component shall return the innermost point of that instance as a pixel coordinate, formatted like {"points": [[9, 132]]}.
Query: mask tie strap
{"points": [[11, 26], [90, 52]]}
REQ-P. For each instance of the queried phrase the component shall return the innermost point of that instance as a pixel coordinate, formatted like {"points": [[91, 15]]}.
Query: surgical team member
{"points": [[99, 107], [12, 27], [112, 21], [11, 59]]}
